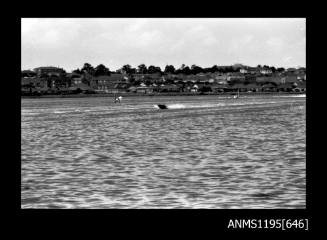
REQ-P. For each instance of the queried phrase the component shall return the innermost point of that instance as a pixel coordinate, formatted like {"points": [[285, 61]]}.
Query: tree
{"points": [[206, 70], [127, 68], [78, 90], [159, 70], [205, 89], [151, 69], [148, 82], [101, 70], [186, 70], [78, 71], [227, 69], [280, 69], [183, 69], [196, 69], [169, 69], [136, 83], [132, 71], [88, 68], [214, 68], [142, 69], [154, 69]]}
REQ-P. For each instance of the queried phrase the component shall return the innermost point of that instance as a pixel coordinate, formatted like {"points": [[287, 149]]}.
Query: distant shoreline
{"points": [[159, 94]]}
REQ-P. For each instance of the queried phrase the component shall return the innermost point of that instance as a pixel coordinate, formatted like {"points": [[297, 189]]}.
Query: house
{"points": [[122, 86], [302, 86], [249, 70], [28, 73], [194, 88], [45, 82], [270, 79], [132, 89], [242, 87], [138, 77], [233, 78], [238, 66], [169, 88], [265, 71], [155, 87], [243, 70], [189, 81], [204, 87], [221, 78], [105, 82], [301, 71], [116, 87], [33, 82], [286, 87], [301, 77], [75, 78], [144, 89], [291, 70], [217, 88], [152, 77], [269, 87], [252, 87], [49, 70], [289, 79], [101, 83], [81, 88], [76, 81], [117, 77], [250, 78], [199, 78]]}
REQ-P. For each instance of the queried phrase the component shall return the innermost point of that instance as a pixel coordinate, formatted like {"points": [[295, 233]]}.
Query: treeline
{"points": [[94, 71], [101, 69]]}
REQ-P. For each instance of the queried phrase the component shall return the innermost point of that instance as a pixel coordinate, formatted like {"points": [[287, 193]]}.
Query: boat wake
{"points": [[209, 105], [292, 96]]}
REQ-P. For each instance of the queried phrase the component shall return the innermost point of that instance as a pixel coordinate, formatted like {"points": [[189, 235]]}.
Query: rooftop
{"points": [[48, 67]]}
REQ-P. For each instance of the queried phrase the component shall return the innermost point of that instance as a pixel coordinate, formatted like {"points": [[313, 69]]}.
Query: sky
{"points": [[114, 42]]}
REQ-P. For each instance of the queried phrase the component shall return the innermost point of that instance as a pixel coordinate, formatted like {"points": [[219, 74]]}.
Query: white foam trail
{"points": [[29, 113], [61, 111], [176, 106], [183, 106], [298, 95]]}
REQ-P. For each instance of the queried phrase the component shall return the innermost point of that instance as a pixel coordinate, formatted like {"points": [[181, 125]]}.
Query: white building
{"points": [[265, 71]]}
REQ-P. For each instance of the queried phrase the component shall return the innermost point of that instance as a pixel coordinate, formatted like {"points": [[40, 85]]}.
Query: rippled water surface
{"points": [[204, 152]]}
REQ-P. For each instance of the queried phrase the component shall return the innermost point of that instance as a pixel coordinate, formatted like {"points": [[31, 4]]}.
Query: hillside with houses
{"points": [[142, 80]]}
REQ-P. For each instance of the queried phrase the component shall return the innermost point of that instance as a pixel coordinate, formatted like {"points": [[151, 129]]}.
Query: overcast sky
{"points": [[114, 42]]}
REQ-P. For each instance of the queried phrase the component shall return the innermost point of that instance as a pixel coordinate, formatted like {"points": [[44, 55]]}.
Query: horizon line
{"points": [[167, 65]]}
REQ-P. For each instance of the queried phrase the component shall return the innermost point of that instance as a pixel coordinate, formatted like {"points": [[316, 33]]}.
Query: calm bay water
{"points": [[204, 152]]}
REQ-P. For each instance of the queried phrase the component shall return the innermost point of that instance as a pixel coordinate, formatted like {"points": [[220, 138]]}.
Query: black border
{"points": [[183, 220]]}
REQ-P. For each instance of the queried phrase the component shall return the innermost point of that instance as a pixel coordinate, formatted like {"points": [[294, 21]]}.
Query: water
{"points": [[205, 152]]}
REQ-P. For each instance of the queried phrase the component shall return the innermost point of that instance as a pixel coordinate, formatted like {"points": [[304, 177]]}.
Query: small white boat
{"points": [[118, 99]]}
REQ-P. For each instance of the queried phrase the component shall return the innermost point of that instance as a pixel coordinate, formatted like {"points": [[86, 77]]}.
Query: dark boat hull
{"points": [[162, 106]]}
